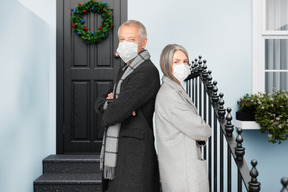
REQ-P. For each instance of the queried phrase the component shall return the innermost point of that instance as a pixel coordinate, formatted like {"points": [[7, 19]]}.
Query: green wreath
{"points": [[78, 22]]}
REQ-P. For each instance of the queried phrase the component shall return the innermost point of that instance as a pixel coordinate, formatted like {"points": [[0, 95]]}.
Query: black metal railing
{"points": [[222, 145]]}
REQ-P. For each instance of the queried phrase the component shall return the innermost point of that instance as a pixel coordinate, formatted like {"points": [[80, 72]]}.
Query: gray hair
{"points": [[142, 29], [166, 59]]}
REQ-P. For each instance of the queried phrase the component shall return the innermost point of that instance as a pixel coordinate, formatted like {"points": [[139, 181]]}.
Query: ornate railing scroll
{"points": [[222, 146]]}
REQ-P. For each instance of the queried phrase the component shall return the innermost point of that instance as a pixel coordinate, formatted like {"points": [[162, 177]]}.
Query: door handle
{"points": [[116, 54]]}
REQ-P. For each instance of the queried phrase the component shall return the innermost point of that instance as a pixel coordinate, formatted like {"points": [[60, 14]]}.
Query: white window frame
{"points": [[259, 35]]}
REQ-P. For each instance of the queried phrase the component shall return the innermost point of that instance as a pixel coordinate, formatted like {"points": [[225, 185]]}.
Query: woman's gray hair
{"points": [[142, 29], [166, 59]]}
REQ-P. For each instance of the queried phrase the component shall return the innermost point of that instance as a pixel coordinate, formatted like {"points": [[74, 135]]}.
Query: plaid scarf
{"points": [[109, 150]]}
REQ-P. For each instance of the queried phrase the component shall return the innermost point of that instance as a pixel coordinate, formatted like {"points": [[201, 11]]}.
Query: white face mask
{"points": [[181, 72], [127, 51]]}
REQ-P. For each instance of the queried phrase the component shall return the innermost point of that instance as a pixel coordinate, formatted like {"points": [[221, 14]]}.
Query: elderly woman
{"points": [[179, 128]]}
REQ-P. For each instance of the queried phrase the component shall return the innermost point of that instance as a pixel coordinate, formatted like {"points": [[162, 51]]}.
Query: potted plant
{"points": [[271, 113], [247, 107], [272, 116]]}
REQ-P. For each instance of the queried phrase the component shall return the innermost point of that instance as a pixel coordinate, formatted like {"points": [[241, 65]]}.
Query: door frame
{"points": [[59, 77]]}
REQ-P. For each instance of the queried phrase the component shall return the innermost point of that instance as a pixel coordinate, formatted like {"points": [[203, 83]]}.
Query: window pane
{"points": [[277, 15], [276, 80], [276, 53]]}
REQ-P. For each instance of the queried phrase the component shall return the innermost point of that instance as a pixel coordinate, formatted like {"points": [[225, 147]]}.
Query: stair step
{"points": [[70, 173], [68, 183], [73, 164], [69, 179]]}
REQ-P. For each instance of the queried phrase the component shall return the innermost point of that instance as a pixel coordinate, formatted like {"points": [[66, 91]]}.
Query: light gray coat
{"points": [[178, 126]]}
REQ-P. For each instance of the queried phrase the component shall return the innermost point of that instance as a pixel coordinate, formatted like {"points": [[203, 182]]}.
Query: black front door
{"points": [[84, 72]]}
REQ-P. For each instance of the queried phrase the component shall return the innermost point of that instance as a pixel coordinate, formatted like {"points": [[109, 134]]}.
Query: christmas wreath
{"points": [[78, 23]]}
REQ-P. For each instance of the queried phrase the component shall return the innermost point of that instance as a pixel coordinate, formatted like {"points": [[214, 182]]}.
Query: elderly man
{"points": [[128, 158]]}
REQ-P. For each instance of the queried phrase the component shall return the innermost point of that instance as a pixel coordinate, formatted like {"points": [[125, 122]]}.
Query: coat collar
{"points": [[177, 87]]}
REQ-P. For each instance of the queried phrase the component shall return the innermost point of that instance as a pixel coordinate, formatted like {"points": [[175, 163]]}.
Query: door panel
{"points": [[84, 72]]}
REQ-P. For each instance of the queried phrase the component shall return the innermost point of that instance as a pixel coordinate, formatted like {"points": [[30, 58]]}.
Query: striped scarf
{"points": [[109, 150]]}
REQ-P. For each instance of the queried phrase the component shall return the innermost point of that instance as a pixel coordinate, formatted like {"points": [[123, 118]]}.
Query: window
{"points": [[270, 45]]}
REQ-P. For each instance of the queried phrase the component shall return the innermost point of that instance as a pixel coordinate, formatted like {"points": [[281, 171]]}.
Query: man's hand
{"points": [[110, 96]]}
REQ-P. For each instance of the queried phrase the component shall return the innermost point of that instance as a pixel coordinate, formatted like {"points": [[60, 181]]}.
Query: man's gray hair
{"points": [[166, 59], [142, 29]]}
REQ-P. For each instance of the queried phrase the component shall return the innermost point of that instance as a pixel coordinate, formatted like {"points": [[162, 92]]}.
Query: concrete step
{"points": [[71, 164], [69, 173], [68, 183]]}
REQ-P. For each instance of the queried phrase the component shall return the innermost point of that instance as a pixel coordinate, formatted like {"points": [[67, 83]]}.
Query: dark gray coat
{"points": [[137, 165]]}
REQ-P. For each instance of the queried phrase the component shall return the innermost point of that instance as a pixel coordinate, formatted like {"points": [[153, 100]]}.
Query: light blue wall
{"points": [[27, 109], [220, 31]]}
